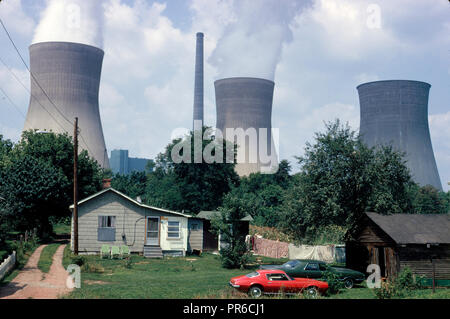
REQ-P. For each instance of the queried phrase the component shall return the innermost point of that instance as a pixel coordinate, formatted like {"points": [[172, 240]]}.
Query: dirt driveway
{"points": [[33, 283]]}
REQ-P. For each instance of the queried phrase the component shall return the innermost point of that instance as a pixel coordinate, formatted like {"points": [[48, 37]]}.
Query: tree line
{"points": [[339, 178]]}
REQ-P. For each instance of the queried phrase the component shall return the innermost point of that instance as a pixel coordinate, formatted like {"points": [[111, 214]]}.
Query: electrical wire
{"points": [[43, 91]]}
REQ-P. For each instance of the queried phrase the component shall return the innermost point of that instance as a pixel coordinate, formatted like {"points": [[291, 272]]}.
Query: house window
{"points": [[106, 228], [106, 221], [195, 227], [173, 230]]}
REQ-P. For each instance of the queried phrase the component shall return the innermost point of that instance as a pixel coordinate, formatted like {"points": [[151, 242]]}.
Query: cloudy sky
{"points": [[316, 51]]}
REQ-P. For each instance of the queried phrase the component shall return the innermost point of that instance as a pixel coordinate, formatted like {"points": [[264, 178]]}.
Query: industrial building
{"points": [[395, 112], [65, 84], [122, 164], [246, 103]]}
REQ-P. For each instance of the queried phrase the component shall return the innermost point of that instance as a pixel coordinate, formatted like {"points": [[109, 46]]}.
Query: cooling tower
{"points": [[396, 112], [246, 103], [198, 86], [69, 74]]}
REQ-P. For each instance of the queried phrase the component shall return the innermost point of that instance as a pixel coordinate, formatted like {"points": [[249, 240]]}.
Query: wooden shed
{"points": [[419, 242], [211, 242]]}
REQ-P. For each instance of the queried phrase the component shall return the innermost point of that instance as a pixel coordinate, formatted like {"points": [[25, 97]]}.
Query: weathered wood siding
{"points": [[130, 222], [195, 234], [418, 259]]}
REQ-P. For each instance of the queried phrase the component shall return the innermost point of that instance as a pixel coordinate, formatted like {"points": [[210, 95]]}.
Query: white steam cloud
{"points": [[79, 21], [252, 43]]}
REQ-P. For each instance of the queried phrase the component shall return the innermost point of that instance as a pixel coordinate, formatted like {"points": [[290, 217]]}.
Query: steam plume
{"points": [[78, 21], [251, 45]]}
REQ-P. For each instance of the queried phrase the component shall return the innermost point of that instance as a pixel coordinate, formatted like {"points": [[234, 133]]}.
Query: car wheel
{"points": [[348, 283], [311, 292], [255, 291]]}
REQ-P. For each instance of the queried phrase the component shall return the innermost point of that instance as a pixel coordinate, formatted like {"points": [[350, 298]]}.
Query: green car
{"points": [[314, 269]]}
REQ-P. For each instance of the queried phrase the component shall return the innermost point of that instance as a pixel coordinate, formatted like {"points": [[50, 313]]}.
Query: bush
{"points": [[388, 290], [78, 260], [236, 257], [335, 284], [400, 286]]}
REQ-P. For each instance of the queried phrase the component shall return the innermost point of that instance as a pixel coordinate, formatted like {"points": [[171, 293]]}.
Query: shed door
{"points": [[152, 231]]}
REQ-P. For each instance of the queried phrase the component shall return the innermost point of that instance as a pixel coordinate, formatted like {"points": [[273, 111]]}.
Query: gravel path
{"points": [[33, 283]]}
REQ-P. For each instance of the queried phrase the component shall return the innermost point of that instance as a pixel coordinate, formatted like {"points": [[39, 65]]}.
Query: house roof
{"points": [[210, 214], [414, 228], [129, 199]]}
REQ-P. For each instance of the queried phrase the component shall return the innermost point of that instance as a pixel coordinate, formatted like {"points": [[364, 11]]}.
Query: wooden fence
{"points": [[7, 265]]}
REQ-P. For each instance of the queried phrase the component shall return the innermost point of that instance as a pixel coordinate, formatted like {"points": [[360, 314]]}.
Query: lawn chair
{"points": [[115, 252], [105, 251], [124, 251]]}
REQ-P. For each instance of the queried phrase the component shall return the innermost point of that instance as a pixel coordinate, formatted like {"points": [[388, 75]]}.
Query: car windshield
{"points": [[252, 274], [292, 263]]}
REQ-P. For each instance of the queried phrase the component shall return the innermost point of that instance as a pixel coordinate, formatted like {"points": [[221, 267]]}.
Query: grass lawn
{"points": [[61, 229], [179, 277], [46, 259]]}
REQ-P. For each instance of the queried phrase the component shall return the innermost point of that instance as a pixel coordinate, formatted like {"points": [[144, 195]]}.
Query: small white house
{"points": [[112, 218]]}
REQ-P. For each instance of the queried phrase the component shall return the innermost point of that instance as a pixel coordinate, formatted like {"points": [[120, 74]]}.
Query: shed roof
{"points": [[415, 228], [92, 197], [210, 214]]}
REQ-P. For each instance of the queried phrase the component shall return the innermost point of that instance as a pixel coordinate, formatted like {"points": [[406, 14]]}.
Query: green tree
{"points": [[428, 200], [133, 185], [235, 253], [263, 194], [340, 179], [188, 185], [36, 179]]}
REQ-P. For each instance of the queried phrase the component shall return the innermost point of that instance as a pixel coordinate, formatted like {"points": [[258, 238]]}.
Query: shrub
{"points": [[334, 283], [236, 257], [78, 260], [400, 286], [388, 290]]}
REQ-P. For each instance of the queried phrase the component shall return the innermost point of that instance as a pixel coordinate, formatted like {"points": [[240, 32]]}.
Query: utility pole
{"points": [[75, 187]]}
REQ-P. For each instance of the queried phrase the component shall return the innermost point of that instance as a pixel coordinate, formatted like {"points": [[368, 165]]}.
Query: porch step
{"points": [[153, 252]]}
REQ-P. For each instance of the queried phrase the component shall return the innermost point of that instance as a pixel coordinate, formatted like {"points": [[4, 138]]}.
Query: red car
{"points": [[274, 281]]}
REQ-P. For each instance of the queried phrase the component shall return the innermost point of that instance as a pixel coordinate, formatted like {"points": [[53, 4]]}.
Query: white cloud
{"points": [[14, 17]]}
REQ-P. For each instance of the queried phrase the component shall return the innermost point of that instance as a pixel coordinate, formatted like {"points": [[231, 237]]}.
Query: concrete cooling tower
{"points": [[395, 112], [246, 103], [69, 74]]}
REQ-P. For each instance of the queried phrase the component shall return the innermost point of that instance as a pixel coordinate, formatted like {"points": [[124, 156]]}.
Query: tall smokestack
{"points": [[395, 112], [198, 86], [69, 74], [246, 103]]}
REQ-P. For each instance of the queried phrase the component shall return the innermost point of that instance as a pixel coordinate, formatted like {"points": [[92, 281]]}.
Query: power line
{"points": [[40, 87], [31, 94], [12, 103]]}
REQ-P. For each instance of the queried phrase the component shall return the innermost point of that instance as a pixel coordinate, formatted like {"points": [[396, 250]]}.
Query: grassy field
{"points": [[61, 229], [46, 259], [190, 277]]}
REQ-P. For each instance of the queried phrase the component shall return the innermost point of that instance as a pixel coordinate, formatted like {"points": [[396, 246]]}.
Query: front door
{"points": [[152, 231]]}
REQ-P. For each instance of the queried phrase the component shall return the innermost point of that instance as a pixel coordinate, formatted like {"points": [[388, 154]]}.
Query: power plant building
{"points": [[65, 84], [122, 164], [245, 104], [395, 112]]}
